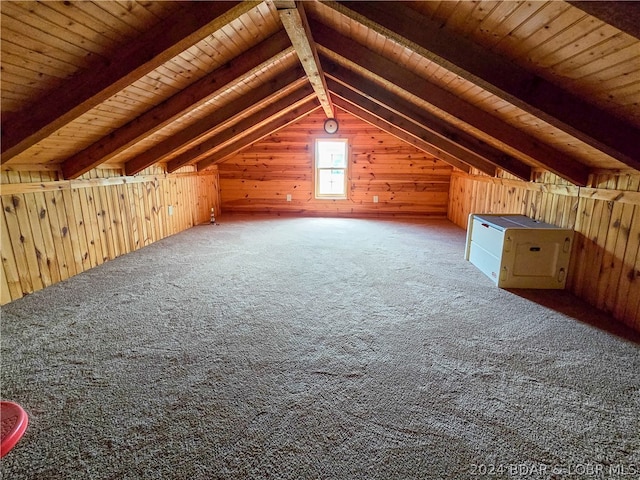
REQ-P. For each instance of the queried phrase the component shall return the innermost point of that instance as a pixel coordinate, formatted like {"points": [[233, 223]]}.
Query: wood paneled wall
{"points": [[52, 230], [605, 265], [407, 181]]}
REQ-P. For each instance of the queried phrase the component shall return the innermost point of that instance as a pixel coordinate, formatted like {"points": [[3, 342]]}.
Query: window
{"points": [[332, 160]]}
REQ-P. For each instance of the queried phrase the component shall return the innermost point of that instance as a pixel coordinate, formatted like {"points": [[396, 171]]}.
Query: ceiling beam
{"points": [[267, 128], [505, 134], [624, 15], [269, 110], [403, 120], [498, 75], [441, 134], [133, 60], [266, 52], [284, 82], [390, 126], [295, 23]]}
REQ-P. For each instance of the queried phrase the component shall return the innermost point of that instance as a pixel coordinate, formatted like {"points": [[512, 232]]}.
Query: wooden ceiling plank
{"points": [[41, 17], [593, 34], [495, 23], [557, 162], [297, 27], [48, 54], [245, 126], [62, 14], [528, 21], [268, 127], [131, 14], [193, 96], [14, 80], [134, 59], [391, 128], [219, 46], [477, 14], [623, 15], [95, 14], [621, 65], [26, 65], [607, 52], [17, 27], [394, 114], [554, 105], [284, 82], [431, 123]]}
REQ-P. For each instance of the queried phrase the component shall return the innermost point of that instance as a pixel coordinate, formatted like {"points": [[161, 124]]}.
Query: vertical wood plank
{"points": [[623, 249], [598, 236], [609, 272], [631, 314], [34, 215], [21, 244], [173, 196], [95, 203], [143, 215], [121, 224], [90, 221], [5, 294], [188, 187], [160, 214], [150, 212], [52, 233], [11, 284], [76, 232], [607, 237], [60, 230], [110, 221], [581, 247], [131, 197]]}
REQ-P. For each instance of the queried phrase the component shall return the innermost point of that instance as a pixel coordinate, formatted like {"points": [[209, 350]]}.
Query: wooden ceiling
{"points": [[514, 86]]}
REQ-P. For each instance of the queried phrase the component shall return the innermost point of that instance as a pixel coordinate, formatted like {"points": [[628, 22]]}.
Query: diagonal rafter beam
{"points": [[268, 51], [267, 128], [269, 111], [134, 59], [403, 120], [295, 23], [390, 123], [287, 81], [441, 134], [497, 75], [557, 162]]}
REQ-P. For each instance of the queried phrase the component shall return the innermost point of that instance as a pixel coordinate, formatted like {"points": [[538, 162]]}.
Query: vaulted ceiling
{"points": [[515, 86]]}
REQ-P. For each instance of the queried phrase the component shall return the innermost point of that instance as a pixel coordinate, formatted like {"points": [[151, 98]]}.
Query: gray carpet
{"points": [[315, 349]]}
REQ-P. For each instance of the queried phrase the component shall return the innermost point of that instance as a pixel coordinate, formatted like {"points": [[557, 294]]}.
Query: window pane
{"points": [[332, 154], [331, 182]]}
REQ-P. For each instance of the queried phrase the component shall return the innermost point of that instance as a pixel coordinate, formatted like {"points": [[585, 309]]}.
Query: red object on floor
{"points": [[14, 423]]}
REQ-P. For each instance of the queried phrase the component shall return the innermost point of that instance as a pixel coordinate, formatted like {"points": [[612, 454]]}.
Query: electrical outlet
{"points": [[170, 210], [288, 197], [375, 199]]}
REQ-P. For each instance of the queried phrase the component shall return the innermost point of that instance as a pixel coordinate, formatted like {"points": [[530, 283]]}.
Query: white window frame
{"points": [[316, 170]]}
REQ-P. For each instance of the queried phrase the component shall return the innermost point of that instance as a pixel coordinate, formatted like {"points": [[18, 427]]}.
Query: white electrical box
{"points": [[515, 251]]}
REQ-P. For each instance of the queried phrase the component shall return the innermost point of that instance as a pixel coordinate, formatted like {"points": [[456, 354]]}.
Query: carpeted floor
{"points": [[315, 348]]}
